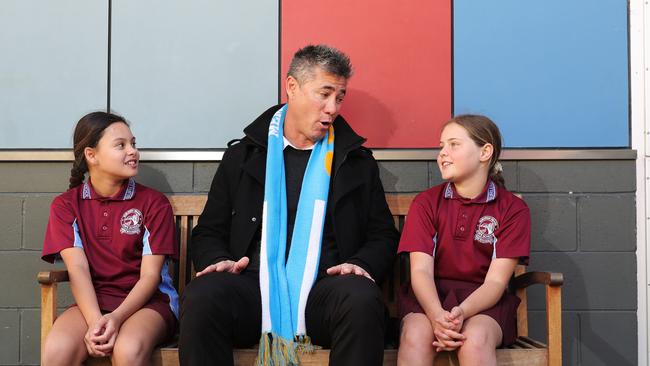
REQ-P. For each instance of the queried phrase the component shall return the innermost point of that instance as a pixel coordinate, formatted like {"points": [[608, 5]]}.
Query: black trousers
{"points": [[222, 311]]}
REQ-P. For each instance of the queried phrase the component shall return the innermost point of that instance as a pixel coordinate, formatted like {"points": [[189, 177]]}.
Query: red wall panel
{"points": [[400, 92]]}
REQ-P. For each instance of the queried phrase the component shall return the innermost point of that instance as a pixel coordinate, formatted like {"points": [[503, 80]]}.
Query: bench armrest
{"points": [[544, 278], [54, 276]]}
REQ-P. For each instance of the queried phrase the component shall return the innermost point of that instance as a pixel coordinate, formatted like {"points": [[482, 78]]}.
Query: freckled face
{"points": [[460, 158]]}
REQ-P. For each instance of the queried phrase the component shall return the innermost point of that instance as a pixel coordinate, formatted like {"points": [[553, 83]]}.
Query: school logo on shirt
{"points": [[131, 222], [485, 229]]}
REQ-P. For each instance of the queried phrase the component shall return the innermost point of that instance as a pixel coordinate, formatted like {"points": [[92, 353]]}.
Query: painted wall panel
{"points": [[192, 74], [53, 67], [401, 54], [550, 73]]}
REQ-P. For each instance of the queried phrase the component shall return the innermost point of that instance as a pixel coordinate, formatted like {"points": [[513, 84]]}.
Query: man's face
{"points": [[313, 106]]}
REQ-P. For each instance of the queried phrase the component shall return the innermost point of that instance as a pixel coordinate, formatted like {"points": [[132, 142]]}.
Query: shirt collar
{"points": [[489, 193], [127, 191], [288, 143]]}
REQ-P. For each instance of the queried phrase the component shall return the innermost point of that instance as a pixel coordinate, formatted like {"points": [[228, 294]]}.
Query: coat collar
{"points": [[345, 137], [345, 141]]}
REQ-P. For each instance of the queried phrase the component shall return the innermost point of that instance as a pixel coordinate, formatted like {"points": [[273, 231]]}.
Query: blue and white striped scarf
{"points": [[285, 285]]}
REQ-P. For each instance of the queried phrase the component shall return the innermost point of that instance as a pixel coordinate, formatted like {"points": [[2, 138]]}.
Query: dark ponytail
{"points": [[87, 133], [483, 131]]}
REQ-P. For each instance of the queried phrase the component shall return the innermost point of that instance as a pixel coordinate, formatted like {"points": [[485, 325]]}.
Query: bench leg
{"points": [[554, 324], [48, 310]]}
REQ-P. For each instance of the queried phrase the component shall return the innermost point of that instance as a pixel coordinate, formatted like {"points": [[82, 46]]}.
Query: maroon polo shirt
{"points": [[464, 235], [115, 232]]}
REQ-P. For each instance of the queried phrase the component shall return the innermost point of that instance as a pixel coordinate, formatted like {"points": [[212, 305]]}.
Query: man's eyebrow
{"points": [[331, 88]]}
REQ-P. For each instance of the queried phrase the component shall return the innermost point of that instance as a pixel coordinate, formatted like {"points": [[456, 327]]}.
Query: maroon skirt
{"points": [[451, 293]]}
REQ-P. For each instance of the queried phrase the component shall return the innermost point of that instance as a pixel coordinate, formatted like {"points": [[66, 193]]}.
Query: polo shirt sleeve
{"points": [[513, 235], [62, 231], [160, 234], [419, 232]]}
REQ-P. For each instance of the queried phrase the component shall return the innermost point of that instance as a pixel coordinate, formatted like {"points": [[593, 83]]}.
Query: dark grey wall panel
{"points": [[193, 73], [554, 222], [577, 176], [608, 338], [53, 69], [35, 216], [404, 176], [594, 281], [9, 336], [203, 174], [607, 222], [11, 222], [34, 177]]}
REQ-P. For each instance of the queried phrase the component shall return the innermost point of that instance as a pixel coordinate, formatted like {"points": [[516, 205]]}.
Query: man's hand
{"points": [[347, 268], [226, 266]]}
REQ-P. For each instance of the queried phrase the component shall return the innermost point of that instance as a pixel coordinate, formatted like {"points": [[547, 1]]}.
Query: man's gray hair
{"points": [[328, 58]]}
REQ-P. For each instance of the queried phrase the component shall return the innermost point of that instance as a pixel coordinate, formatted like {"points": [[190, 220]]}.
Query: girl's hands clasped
{"points": [[446, 329], [101, 335]]}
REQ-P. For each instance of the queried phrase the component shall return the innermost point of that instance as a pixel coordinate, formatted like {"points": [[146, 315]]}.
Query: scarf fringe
{"points": [[277, 351]]}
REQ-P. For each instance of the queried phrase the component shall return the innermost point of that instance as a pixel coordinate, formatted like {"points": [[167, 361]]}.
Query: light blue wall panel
{"points": [[192, 74], [53, 65], [551, 73]]}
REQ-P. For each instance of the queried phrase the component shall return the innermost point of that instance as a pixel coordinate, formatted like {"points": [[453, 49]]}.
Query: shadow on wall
{"points": [[378, 133], [153, 178], [554, 248]]}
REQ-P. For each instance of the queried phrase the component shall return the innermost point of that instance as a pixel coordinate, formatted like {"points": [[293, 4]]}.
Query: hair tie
{"points": [[497, 168]]}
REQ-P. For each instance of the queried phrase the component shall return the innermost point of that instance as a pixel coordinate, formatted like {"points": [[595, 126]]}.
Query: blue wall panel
{"points": [[551, 73]]}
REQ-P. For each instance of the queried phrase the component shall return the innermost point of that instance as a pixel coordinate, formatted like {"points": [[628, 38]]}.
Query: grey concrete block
{"points": [[404, 176], [608, 338], [577, 176], [37, 212], [34, 177], [203, 174], [594, 281], [19, 275], [11, 222], [167, 177], [511, 175], [570, 333], [9, 336], [553, 222], [434, 174], [607, 223], [30, 336]]}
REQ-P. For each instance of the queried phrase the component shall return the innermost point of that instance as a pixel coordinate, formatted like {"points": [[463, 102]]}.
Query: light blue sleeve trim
{"points": [[146, 247], [167, 287], [77, 238], [435, 245]]}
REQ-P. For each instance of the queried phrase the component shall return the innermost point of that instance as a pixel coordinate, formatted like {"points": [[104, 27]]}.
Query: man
{"points": [[293, 240]]}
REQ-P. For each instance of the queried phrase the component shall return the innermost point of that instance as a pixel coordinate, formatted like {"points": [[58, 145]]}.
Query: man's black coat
{"points": [[362, 224]]}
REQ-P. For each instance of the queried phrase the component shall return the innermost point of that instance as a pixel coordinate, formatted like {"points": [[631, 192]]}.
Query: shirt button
{"points": [[462, 228], [104, 227], [105, 214], [253, 219]]}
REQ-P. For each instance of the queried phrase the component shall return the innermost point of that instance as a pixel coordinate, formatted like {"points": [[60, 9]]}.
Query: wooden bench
{"points": [[525, 351]]}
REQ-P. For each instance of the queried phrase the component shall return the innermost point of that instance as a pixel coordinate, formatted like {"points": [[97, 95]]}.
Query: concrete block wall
{"points": [[583, 225]]}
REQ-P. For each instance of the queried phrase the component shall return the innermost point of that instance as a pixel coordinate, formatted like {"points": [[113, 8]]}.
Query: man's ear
{"points": [[486, 152], [89, 154], [291, 86]]}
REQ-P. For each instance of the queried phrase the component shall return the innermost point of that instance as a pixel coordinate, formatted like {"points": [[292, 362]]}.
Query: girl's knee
{"points": [[62, 351], [478, 341], [417, 337], [130, 351]]}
